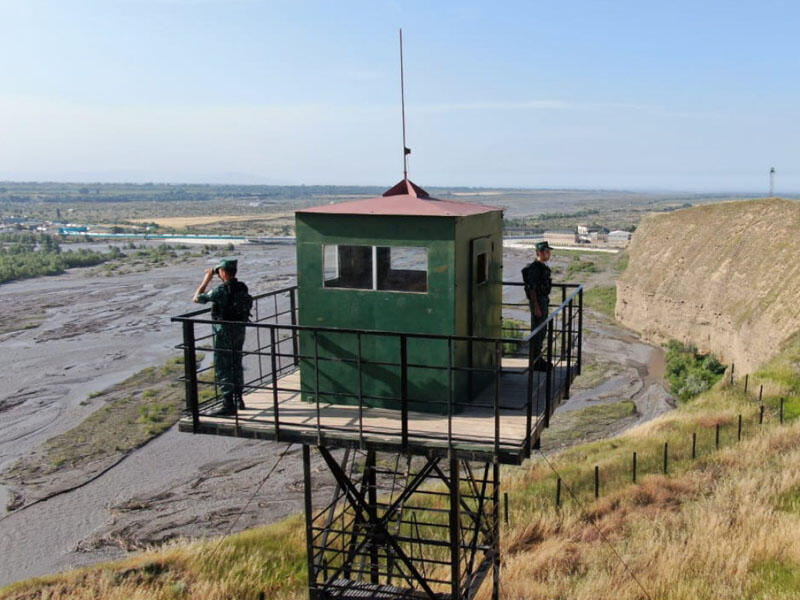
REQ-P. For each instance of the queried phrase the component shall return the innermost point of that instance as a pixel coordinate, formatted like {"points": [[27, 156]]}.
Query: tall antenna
{"points": [[771, 182], [406, 149]]}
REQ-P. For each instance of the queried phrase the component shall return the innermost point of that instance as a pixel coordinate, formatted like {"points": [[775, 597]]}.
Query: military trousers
{"points": [[228, 370], [537, 341]]}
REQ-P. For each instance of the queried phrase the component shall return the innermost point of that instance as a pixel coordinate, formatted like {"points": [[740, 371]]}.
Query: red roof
{"points": [[404, 199]]}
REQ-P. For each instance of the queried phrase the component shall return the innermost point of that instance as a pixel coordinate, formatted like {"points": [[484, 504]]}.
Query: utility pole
{"points": [[771, 182]]}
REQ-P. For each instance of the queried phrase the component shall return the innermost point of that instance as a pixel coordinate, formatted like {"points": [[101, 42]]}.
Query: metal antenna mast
{"points": [[406, 149], [771, 182]]}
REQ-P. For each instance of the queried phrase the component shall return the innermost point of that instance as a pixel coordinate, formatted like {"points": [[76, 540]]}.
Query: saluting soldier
{"points": [[538, 282], [230, 301]]}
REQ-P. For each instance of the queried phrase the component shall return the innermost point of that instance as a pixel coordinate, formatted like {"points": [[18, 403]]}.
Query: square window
{"points": [[402, 268], [347, 267]]}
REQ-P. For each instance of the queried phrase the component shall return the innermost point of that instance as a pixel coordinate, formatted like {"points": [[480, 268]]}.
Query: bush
{"points": [[690, 373]]}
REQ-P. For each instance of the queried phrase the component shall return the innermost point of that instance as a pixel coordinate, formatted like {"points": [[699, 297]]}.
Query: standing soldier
{"points": [[230, 301], [538, 281]]}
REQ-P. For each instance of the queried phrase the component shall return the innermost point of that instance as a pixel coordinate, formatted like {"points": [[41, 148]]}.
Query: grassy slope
{"points": [[723, 526]]}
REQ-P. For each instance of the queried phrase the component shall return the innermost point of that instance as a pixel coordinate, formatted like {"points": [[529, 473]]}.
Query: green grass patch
{"points": [[784, 369], [586, 424], [602, 299], [136, 410], [514, 329], [775, 578], [789, 501]]}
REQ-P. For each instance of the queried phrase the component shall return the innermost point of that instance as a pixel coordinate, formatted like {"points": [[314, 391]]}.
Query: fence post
{"points": [[760, 392], [761, 415], [781, 411], [634, 467], [733, 366], [739, 432], [505, 502], [694, 445], [717, 437], [746, 380], [558, 492], [596, 481], [666, 455]]}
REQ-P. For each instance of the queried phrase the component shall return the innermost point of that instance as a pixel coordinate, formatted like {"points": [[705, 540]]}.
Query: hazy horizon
{"points": [[668, 98]]}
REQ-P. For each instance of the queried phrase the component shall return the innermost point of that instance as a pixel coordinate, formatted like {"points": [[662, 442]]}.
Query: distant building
{"points": [[560, 238], [619, 238]]}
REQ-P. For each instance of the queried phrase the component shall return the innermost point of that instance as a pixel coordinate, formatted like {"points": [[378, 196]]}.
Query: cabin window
{"points": [[348, 267], [482, 268], [396, 268], [402, 268]]}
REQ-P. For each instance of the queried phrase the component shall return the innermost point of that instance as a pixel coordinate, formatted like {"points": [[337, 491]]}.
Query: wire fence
{"points": [[676, 452]]}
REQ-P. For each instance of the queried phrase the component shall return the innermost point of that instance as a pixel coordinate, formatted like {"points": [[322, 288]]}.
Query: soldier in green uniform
{"points": [[538, 282], [230, 301]]}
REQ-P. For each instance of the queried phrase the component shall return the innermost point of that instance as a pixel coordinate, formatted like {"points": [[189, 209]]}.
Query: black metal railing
{"points": [[489, 378]]}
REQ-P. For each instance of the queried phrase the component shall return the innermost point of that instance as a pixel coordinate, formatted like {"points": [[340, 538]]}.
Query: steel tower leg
{"points": [[425, 532]]}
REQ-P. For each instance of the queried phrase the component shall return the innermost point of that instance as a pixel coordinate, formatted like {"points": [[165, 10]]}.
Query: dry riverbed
{"points": [[80, 335]]}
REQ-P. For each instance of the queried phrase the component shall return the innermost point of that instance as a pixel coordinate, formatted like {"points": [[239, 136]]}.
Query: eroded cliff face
{"points": [[724, 276]]}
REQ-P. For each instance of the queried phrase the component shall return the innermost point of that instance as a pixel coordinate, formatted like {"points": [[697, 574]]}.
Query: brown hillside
{"points": [[724, 276]]}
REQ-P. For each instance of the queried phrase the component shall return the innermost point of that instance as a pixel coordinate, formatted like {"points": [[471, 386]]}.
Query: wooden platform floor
{"points": [[472, 431]]}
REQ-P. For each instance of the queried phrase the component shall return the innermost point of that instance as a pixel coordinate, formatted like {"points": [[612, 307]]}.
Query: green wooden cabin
{"points": [[402, 262]]}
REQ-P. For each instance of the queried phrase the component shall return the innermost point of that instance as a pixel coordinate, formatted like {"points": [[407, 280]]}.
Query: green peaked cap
{"points": [[228, 264]]}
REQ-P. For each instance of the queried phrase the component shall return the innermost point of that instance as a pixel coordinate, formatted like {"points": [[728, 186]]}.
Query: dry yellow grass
{"points": [[715, 531], [724, 526]]}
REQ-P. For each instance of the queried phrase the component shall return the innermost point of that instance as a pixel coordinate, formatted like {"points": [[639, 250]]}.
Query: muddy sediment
{"points": [[95, 332]]}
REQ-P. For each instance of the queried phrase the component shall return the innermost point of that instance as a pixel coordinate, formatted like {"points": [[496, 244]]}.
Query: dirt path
{"points": [[96, 332]]}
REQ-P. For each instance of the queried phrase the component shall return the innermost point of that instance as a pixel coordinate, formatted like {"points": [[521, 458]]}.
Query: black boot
{"points": [[228, 409]]}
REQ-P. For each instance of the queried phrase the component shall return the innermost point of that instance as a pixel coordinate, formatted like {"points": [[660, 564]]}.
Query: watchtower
{"points": [[401, 262], [390, 362]]}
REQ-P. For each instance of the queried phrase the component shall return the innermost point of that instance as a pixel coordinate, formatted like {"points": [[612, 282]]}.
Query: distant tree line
{"points": [[25, 255]]}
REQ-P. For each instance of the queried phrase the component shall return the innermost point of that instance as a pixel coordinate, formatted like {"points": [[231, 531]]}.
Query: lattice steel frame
{"points": [[433, 535]]}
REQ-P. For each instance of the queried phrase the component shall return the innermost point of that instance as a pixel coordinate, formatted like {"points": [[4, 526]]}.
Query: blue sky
{"points": [[675, 95]]}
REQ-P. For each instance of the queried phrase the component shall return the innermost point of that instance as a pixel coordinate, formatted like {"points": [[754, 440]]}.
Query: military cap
{"points": [[229, 264], [541, 246]]}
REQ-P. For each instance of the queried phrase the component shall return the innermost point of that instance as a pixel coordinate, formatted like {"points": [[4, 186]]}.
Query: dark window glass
{"points": [[402, 268], [347, 267]]}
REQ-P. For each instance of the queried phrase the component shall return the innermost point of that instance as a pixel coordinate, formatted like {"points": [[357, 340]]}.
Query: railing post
{"points": [[404, 390], [190, 374], [274, 367], [360, 393], [548, 399], [580, 331], [498, 351], [312, 571], [316, 388], [529, 408], [569, 350], [563, 323], [450, 393], [293, 318]]}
